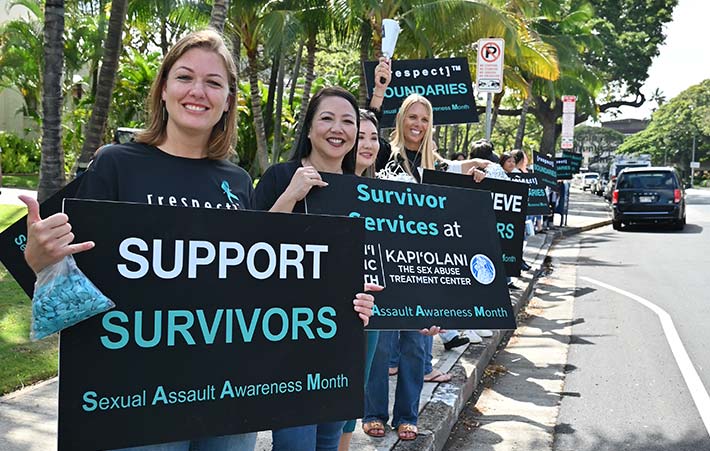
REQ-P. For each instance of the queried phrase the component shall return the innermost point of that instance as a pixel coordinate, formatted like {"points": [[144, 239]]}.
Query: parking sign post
{"points": [[489, 73]]}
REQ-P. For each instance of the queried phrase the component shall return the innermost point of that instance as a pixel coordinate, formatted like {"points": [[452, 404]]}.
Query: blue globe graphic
{"points": [[482, 269]]}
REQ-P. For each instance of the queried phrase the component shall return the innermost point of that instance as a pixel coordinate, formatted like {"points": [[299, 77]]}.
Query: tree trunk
{"points": [[520, 135], [51, 171], [219, 14], [98, 54], [497, 98], [547, 117], [466, 139], [310, 76], [164, 45], [269, 108], [259, 129], [107, 78], [276, 147], [365, 38], [294, 76]]}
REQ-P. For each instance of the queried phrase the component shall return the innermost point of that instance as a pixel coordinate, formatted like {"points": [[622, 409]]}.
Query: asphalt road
{"points": [[625, 389]]}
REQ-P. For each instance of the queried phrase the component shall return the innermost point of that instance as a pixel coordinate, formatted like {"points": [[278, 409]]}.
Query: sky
{"points": [[684, 59]]}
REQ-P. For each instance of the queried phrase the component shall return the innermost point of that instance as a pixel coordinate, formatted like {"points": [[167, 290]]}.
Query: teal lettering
{"points": [[328, 322], [116, 329], [89, 401]]}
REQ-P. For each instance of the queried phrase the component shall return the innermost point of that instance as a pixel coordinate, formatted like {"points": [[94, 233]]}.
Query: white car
{"points": [[588, 179]]}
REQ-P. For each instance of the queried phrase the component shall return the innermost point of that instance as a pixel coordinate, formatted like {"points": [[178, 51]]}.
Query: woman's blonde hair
{"points": [[223, 137], [427, 146]]}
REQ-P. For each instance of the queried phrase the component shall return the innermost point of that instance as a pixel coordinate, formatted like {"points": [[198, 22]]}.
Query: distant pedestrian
{"points": [[483, 149]]}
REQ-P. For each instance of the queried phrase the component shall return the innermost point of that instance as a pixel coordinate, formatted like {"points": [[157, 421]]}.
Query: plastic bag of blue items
{"points": [[63, 297]]}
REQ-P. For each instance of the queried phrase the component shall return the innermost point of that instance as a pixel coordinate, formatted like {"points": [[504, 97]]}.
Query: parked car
{"points": [[609, 188], [599, 185], [648, 195], [588, 179]]}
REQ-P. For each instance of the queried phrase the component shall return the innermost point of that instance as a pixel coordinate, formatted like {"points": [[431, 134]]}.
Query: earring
{"points": [[165, 113]]}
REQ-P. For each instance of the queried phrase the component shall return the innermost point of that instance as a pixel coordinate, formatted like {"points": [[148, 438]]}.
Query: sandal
{"points": [[407, 431], [374, 428], [392, 371], [437, 376]]}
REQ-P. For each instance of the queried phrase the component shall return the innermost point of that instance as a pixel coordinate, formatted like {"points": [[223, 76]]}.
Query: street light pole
{"points": [[692, 160]]}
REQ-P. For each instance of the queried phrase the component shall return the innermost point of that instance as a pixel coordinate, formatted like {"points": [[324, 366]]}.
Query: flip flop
{"points": [[437, 377], [393, 371], [374, 428], [407, 432]]}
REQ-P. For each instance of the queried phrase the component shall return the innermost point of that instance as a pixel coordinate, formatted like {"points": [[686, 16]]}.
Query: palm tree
{"points": [[51, 171], [219, 14], [107, 77]]}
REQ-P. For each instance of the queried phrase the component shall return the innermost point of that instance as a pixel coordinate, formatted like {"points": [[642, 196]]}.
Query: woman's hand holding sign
{"points": [[364, 302], [48, 240]]}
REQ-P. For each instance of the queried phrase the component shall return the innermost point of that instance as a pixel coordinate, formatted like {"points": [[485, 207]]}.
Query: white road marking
{"points": [[687, 369]]}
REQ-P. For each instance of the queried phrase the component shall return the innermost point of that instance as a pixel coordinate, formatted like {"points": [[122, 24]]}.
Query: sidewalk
{"points": [[8, 196], [28, 417]]}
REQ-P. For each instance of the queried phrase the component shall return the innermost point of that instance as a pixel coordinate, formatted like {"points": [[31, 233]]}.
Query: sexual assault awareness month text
{"points": [[200, 295]]}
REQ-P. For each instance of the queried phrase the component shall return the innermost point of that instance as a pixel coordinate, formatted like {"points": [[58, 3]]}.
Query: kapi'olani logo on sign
{"points": [[483, 269]]}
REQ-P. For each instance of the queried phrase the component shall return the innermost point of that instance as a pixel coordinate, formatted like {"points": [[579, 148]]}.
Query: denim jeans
{"points": [[394, 351], [238, 442], [314, 437], [410, 378], [428, 367], [372, 337]]}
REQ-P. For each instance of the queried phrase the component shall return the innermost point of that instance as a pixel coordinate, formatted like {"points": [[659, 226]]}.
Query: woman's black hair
{"points": [[517, 155], [303, 147], [369, 116], [505, 156]]}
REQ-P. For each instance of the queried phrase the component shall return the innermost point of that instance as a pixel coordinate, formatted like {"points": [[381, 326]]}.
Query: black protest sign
{"points": [[14, 239], [445, 82], [225, 322], [544, 168], [433, 248], [575, 160], [538, 204], [563, 166], [510, 201]]}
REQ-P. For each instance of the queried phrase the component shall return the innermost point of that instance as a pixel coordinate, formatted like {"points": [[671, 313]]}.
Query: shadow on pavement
{"points": [[565, 440], [690, 229]]}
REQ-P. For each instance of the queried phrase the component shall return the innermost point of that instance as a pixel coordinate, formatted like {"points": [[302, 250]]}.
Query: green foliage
{"points": [[19, 155], [27, 181], [135, 76], [599, 141], [669, 136]]}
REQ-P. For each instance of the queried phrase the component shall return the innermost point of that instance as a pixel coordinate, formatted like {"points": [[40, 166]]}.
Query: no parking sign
{"points": [[489, 66]]}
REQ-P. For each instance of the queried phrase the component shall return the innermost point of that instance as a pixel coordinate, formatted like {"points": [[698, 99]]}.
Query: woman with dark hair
{"points": [[328, 143], [179, 160], [507, 162]]}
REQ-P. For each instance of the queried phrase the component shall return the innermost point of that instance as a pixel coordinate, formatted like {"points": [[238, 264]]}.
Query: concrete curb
{"points": [[441, 413]]}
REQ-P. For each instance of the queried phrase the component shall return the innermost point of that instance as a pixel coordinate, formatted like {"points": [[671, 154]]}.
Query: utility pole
{"points": [[692, 168]]}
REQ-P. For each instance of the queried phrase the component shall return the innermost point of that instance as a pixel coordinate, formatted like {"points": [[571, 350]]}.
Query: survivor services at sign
{"points": [[433, 248], [225, 322]]}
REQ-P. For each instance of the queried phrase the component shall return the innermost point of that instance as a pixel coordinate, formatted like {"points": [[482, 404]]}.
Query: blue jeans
{"points": [[394, 351], [314, 437], [428, 368], [410, 378], [372, 337], [238, 442]]}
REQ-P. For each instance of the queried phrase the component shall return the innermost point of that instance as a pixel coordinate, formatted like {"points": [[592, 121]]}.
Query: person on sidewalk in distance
{"points": [[412, 147], [182, 153], [520, 165], [328, 143], [483, 149]]}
